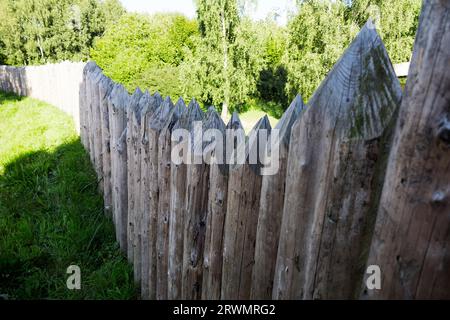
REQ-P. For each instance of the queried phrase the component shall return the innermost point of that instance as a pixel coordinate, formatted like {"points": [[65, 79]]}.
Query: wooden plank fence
{"points": [[362, 179]]}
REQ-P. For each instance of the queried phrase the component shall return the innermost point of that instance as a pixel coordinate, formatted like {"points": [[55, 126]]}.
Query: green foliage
{"points": [[222, 58], [42, 31], [318, 36], [397, 22], [51, 215], [214, 62], [146, 51], [320, 32]]}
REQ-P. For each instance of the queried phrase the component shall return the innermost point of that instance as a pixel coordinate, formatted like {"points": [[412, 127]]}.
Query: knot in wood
{"points": [[444, 131], [438, 197]]}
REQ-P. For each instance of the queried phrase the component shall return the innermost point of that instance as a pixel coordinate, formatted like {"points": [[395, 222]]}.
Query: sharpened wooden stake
{"points": [[244, 190], [105, 88], [217, 208], [142, 264], [411, 239], [335, 167], [271, 208], [164, 163], [195, 210], [133, 131], [118, 104]]}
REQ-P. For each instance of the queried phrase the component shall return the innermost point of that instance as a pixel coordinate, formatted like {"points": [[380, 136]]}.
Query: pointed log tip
{"points": [[235, 122], [138, 92], [180, 104], [120, 97], [213, 120], [160, 116], [361, 89], [263, 123], [292, 113]]}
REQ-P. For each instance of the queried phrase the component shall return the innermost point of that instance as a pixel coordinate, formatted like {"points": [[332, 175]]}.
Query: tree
{"points": [[146, 51], [317, 38], [218, 21], [398, 20], [42, 31]]}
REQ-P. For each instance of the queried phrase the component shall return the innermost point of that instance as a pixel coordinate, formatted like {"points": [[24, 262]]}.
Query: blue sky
{"points": [[264, 7]]}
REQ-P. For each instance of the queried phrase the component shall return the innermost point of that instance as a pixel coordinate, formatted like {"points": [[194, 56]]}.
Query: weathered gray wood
{"points": [[244, 190], [336, 156], [271, 209], [153, 128], [134, 184], [177, 206], [97, 129], [195, 210], [411, 238], [119, 102], [217, 207], [84, 101], [142, 266], [133, 131], [163, 222], [92, 103], [105, 88]]}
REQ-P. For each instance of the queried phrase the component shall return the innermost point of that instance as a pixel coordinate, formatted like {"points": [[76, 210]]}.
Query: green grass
{"points": [[50, 211]]}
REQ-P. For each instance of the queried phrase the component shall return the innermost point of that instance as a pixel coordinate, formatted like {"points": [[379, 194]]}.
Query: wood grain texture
{"points": [[144, 261], [133, 131], [96, 128], [177, 208], [217, 208], [105, 87], [271, 209], [134, 164], [244, 190], [336, 155], [163, 220], [195, 210], [154, 126], [411, 238], [119, 102]]}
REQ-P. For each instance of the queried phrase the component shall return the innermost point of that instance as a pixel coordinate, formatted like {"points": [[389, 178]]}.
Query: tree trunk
{"points": [[226, 98]]}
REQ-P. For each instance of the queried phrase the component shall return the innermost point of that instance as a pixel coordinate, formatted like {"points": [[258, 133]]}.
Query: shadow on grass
{"points": [[6, 97], [51, 217]]}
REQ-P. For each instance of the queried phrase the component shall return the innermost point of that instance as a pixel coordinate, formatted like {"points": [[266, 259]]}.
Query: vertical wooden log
{"points": [[164, 161], [336, 155], [90, 92], [271, 209], [244, 190], [141, 222], [411, 238], [177, 207], [105, 89], [97, 129], [119, 103], [149, 235], [134, 183], [195, 210], [83, 107], [217, 207], [132, 128]]}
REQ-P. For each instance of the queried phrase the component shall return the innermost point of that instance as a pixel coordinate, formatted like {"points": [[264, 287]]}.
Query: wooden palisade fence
{"points": [[363, 179]]}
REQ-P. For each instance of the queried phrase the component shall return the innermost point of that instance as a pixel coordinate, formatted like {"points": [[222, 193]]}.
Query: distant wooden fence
{"points": [[56, 84], [355, 187]]}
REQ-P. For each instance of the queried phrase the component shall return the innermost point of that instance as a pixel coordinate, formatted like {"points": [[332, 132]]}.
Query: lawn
{"points": [[51, 214]]}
